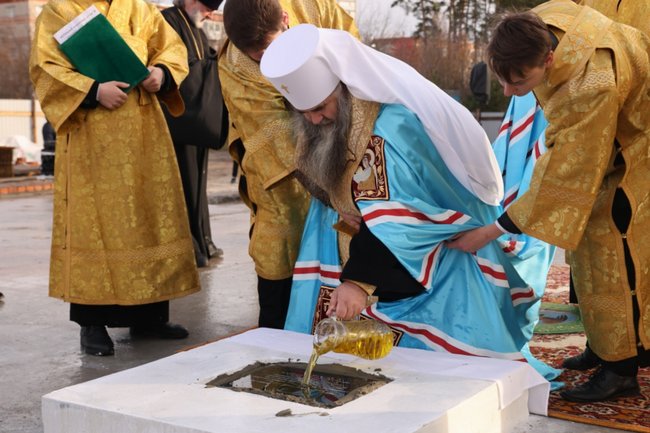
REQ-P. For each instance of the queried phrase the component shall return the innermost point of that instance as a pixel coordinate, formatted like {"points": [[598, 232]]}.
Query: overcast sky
{"points": [[379, 19]]}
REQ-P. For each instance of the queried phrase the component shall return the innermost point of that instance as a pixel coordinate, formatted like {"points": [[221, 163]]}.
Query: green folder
{"points": [[95, 48]]}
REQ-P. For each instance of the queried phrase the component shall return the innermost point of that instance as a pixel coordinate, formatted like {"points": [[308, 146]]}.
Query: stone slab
{"points": [[431, 392]]}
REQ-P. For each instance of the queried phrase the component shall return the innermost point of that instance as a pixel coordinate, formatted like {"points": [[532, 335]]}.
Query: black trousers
{"points": [[118, 316], [193, 166], [274, 298]]}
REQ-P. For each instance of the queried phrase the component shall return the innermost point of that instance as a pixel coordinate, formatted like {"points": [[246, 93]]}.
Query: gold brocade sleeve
{"points": [[258, 113], [582, 116], [631, 12], [59, 88], [366, 287], [327, 14]]}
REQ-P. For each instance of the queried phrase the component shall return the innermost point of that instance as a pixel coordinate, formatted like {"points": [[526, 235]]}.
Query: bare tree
{"points": [[427, 14]]}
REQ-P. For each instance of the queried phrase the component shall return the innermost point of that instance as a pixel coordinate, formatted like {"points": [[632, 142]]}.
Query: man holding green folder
{"points": [[121, 246]]}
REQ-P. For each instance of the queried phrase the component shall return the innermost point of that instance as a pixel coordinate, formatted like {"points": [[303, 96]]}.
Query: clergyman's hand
{"points": [[352, 220], [348, 300], [154, 81], [111, 95], [473, 240]]}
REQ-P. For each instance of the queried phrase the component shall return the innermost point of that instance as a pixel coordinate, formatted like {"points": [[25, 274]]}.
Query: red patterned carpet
{"points": [[629, 413], [557, 285]]}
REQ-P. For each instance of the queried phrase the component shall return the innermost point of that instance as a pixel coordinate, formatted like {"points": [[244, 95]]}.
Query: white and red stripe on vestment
{"points": [[399, 213], [437, 340], [315, 270]]}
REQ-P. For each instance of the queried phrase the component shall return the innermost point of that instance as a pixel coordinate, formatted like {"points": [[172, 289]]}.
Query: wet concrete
{"points": [[332, 385], [39, 346]]}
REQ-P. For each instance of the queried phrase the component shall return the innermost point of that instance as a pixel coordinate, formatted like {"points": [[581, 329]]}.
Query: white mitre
{"points": [[296, 67], [306, 63]]}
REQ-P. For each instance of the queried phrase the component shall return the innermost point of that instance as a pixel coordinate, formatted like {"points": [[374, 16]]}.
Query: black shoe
{"points": [[96, 341], [166, 331], [603, 385], [213, 250], [584, 361]]}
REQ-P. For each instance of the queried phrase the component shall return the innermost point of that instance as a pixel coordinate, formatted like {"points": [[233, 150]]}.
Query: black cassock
{"points": [[203, 126]]}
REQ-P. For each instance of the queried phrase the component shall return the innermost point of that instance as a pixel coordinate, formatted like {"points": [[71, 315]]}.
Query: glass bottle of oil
{"points": [[368, 339]]}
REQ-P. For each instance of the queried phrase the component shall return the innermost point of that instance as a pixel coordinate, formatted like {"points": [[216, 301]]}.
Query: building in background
{"points": [[17, 20]]}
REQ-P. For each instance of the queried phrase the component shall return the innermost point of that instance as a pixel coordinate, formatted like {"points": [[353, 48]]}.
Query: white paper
{"points": [[73, 26]]}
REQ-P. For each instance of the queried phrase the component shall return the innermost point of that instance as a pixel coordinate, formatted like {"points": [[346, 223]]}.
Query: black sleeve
{"points": [[508, 224], [168, 81], [90, 101], [372, 262]]}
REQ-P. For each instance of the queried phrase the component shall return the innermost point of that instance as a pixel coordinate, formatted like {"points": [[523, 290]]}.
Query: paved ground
{"points": [[39, 347]]}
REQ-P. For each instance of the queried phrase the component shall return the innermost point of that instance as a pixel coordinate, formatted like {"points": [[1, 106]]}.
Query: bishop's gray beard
{"points": [[322, 150]]}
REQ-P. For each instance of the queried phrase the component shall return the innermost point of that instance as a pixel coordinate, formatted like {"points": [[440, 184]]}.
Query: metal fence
{"points": [[21, 117]]}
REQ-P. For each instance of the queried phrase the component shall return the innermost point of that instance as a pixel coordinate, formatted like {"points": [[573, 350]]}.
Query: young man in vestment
{"points": [[260, 139], [121, 246], [192, 142], [632, 13], [590, 192], [378, 141]]}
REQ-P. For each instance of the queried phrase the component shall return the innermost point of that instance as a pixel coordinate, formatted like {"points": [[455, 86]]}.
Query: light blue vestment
{"points": [[483, 304]]}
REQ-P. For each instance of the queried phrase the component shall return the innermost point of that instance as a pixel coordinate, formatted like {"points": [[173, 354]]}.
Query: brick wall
{"points": [[16, 29], [15, 37]]}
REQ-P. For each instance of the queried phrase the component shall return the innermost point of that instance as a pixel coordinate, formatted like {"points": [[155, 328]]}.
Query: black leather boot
{"points": [[603, 385], [586, 360], [96, 341]]}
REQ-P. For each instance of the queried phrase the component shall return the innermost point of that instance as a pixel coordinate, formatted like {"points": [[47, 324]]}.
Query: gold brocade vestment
{"points": [[631, 12], [120, 230], [595, 94], [258, 115]]}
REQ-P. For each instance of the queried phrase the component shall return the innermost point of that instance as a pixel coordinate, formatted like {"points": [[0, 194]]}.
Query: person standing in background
{"points": [[121, 245], [200, 127], [49, 145]]}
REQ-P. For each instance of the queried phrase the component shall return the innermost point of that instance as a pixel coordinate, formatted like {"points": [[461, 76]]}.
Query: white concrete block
{"points": [[430, 392]]}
